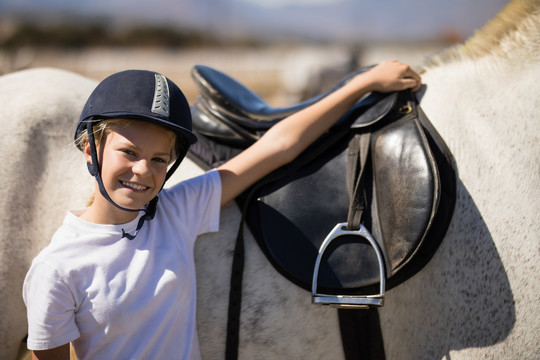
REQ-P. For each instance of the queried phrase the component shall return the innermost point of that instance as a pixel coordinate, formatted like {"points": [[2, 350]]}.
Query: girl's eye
{"points": [[160, 160], [128, 152]]}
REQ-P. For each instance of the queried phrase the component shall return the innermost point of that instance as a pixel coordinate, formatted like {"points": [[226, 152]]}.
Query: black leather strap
{"points": [[356, 174], [235, 292], [361, 334]]}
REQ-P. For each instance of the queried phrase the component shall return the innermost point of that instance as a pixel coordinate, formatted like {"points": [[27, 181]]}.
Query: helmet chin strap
{"points": [[94, 170]]}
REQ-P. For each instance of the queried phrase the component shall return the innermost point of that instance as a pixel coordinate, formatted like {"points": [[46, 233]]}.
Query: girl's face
{"points": [[134, 162]]}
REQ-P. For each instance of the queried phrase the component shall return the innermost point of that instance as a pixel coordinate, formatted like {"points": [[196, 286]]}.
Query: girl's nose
{"points": [[141, 167]]}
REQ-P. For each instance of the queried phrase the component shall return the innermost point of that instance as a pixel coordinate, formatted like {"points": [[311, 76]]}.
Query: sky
{"points": [[362, 20], [281, 3]]}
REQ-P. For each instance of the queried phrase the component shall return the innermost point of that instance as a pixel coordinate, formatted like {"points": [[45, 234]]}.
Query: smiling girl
{"points": [[118, 278]]}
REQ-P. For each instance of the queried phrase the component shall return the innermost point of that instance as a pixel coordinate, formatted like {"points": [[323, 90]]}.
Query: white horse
{"points": [[476, 299], [41, 175]]}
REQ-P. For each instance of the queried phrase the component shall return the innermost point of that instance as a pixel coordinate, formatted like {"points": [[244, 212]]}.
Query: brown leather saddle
{"points": [[360, 211]]}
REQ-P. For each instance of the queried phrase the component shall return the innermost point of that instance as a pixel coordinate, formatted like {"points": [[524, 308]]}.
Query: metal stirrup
{"points": [[348, 301]]}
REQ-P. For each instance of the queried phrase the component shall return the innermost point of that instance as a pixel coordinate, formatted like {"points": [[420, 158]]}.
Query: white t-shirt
{"points": [[116, 298]]}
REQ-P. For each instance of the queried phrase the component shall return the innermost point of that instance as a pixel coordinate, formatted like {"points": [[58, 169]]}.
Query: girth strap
{"points": [[361, 335], [235, 291]]}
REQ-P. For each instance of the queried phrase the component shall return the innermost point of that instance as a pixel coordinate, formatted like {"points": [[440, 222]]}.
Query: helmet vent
{"points": [[160, 105]]}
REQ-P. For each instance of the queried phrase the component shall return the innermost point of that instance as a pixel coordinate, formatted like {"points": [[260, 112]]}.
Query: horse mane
{"points": [[515, 28]]}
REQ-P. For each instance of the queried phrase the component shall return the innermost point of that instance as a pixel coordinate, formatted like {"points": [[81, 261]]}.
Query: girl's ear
{"points": [[88, 157], [87, 152]]}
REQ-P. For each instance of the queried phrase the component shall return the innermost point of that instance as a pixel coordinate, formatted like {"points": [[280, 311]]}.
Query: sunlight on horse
{"points": [[476, 299]]}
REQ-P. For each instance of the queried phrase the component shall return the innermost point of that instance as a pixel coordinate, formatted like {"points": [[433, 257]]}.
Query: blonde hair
{"points": [[102, 128]]}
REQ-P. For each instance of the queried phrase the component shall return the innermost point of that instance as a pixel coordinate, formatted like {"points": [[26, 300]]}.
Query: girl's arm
{"points": [[59, 353], [288, 138]]}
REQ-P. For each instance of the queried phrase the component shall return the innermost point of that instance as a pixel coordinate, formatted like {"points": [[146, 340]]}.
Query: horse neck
{"points": [[510, 38]]}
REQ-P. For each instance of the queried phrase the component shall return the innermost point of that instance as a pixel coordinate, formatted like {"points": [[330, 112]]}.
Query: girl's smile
{"points": [[134, 186]]}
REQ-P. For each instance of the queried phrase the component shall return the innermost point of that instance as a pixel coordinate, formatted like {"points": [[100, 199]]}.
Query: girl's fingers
{"points": [[394, 76], [410, 83], [411, 79]]}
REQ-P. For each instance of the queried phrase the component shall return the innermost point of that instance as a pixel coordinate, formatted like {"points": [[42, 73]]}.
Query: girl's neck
{"points": [[107, 213]]}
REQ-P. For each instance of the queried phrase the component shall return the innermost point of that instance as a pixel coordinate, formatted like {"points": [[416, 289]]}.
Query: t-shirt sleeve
{"points": [[50, 309], [198, 202]]}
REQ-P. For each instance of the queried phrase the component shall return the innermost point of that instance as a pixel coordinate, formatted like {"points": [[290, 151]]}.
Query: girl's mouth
{"points": [[134, 186]]}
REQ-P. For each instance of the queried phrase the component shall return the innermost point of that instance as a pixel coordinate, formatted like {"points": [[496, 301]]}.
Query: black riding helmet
{"points": [[139, 95]]}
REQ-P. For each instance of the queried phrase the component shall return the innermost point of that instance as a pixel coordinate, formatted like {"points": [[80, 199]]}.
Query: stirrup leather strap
{"points": [[359, 148]]}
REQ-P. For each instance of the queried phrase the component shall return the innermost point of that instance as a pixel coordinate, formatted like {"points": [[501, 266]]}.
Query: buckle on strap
{"points": [[349, 301]]}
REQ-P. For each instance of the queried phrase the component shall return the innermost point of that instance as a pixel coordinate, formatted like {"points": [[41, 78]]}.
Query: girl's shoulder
{"points": [[198, 187], [78, 241], [192, 204]]}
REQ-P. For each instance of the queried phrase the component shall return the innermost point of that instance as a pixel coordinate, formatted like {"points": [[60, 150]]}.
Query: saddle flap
{"points": [[406, 188]]}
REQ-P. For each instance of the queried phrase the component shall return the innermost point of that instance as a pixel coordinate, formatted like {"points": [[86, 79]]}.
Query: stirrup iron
{"points": [[348, 301]]}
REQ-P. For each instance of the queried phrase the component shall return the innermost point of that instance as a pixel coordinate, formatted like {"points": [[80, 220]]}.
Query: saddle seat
{"points": [[236, 101], [232, 114]]}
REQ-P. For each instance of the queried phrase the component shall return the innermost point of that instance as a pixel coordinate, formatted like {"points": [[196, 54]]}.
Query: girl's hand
{"points": [[392, 76]]}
